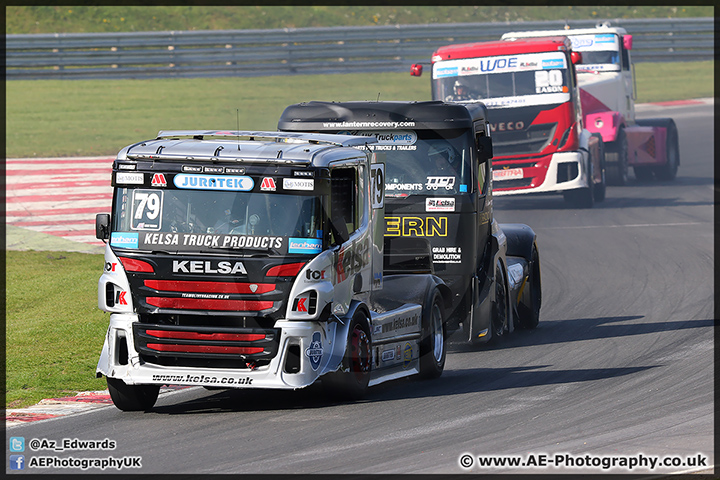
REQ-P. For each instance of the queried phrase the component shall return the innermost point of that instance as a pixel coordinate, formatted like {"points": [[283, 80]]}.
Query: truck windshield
{"points": [[172, 219], [504, 81], [600, 52], [423, 162]]}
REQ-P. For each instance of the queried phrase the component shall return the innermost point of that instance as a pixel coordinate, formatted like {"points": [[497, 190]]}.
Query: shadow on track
{"points": [[452, 382], [551, 332], [555, 202]]}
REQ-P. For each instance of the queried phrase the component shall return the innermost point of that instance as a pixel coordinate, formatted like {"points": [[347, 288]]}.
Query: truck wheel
{"points": [[432, 346], [669, 170], [529, 315], [643, 174], [599, 188], [501, 307], [616, 160], [351, 381], [132, 398], [583, 197]]}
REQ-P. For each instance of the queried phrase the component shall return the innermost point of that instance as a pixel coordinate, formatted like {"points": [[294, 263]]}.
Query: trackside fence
{"points": [[216, 53]]}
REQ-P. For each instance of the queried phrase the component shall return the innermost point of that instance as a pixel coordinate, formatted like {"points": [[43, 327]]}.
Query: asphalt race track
{"points": [[621, 365]]}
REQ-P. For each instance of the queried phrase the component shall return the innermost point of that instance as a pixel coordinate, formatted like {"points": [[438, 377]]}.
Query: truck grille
{"points": [[205, 346], [523, 142]]}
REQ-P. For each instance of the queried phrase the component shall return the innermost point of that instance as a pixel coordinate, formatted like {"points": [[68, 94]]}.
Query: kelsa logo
{"points": [[198, 266], [315, 351]]}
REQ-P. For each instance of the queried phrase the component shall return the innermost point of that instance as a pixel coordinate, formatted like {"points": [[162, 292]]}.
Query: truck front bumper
{"points": [[563, 172], [306, 351]]}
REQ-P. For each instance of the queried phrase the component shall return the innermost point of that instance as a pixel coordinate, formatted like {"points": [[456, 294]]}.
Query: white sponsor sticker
{"points": [[298, 184], [439, 204], [130, 178]]}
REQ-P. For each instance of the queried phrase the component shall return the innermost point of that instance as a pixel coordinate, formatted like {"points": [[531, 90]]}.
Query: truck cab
{"points": [[530, 89], [243, 259], [606, 78], [438, 192]]}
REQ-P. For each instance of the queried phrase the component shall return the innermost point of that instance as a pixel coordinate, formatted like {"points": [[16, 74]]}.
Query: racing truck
{"points": [[607, 92], [242, 259], [539, 139], [438, 193]]}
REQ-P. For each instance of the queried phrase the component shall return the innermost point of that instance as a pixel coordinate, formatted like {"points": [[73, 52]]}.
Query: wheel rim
{"points": [[437, 333], [359, 353]]}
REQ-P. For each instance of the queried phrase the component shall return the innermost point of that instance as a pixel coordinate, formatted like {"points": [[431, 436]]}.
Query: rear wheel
{"points": [[432, 346], [669, 170], [529, 315], [130, 398], [643, 174], [616, 160], [351, 381]]}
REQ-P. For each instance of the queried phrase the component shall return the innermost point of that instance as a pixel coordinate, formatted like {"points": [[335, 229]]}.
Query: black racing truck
{"points": [[256, 260], [438, 193]]}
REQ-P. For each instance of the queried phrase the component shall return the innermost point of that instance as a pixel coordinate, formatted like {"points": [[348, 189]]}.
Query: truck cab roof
{"points": [[502, 47], [245, 147], [430, 115], [600, 29]]}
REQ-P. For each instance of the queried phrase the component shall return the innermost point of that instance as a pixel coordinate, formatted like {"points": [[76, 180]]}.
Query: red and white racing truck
{"points": [[530, 89], [607, 92]]}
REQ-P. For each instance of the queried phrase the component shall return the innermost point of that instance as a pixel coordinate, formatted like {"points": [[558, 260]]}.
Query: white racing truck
{"points": [[607, 93], [255, 260]]}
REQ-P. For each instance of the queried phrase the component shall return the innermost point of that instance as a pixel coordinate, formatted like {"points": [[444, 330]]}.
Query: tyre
{"points": [[132, 398], [616, 160], [643, 174], [351, 381], [583, 197], [599, 189], [669, 170], [529, 315], [501, 306], [432, 345]]}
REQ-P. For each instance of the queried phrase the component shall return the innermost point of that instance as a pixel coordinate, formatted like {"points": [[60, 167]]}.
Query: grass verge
{"points": [[54, 329], [99, 117]]}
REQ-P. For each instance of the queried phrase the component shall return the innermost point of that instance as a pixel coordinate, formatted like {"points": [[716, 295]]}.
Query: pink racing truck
{"points": [[607, 91]]}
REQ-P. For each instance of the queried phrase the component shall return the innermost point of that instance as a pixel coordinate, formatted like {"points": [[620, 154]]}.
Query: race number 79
{"points": [[377, 181], [147, 205]]}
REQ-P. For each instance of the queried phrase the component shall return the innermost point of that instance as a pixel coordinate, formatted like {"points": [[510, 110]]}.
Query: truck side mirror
{"points": [[576, 58], [627, 42], [102, 226], [484, 147], [416, 70]]}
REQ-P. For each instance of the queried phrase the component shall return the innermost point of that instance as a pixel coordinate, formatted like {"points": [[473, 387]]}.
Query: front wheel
{"points": [[432, 346], [132, 398], [529, 314], [616, 160], [501, 307], [351, 381]]}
